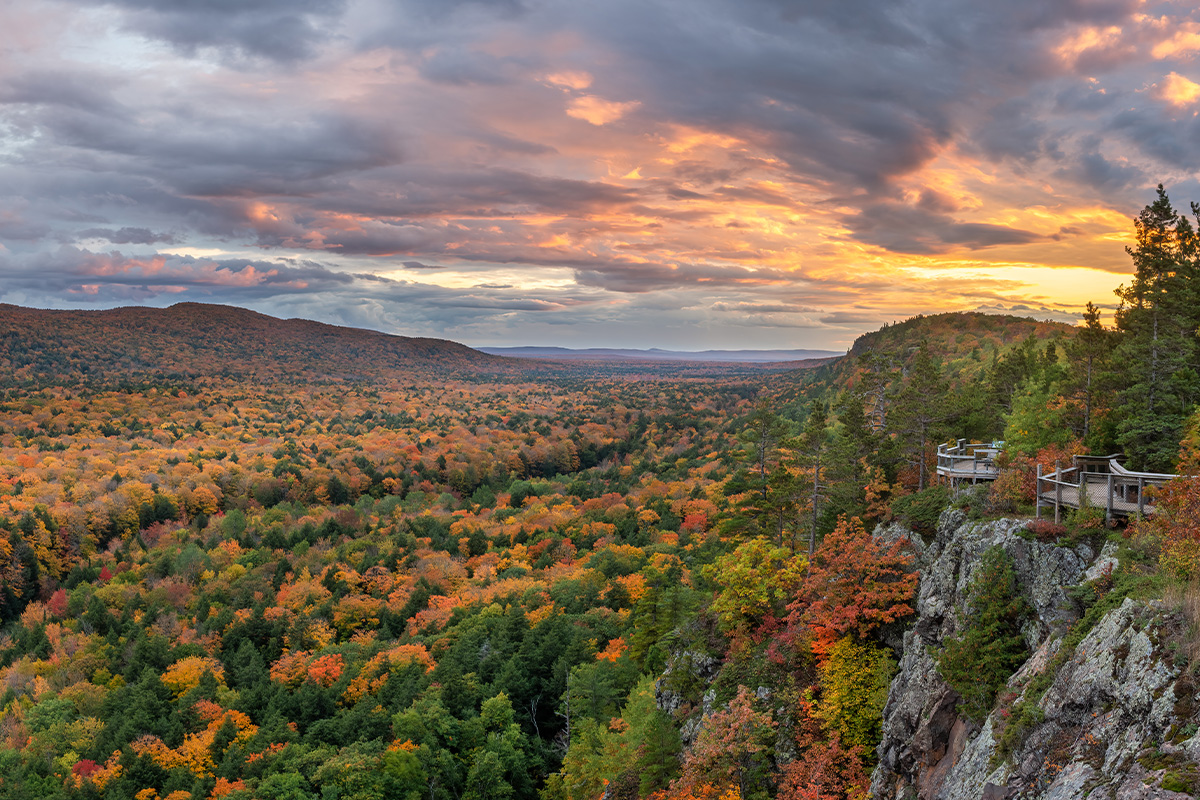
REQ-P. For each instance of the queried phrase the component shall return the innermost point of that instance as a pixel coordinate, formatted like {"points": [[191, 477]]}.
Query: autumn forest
{"points": [[243, 557]]}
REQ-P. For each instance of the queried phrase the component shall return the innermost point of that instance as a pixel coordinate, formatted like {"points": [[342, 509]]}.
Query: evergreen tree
{"points": [[1088, 356], [1158, 318], [767, 488], [989, 646], [811, 450], [920, 408]]}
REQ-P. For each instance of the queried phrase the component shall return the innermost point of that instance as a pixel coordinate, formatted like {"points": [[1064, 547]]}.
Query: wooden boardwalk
{"points": [[1091, 481], [960, 461], [1097, 482]]}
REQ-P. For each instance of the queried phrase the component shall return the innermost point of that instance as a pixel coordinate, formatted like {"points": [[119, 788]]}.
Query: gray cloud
{"points": [[908, 229], [284, 30], [129, 236]]}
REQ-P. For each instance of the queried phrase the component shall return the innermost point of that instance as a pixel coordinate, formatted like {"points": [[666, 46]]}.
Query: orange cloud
{"points": [[1182, 43], [570, 80], [1177, 90], [599, 111], [1091, 38]]}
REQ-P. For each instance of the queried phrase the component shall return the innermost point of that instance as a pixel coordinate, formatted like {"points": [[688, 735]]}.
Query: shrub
{"points": [[979, 661], [1045, 530], [920, 511]]}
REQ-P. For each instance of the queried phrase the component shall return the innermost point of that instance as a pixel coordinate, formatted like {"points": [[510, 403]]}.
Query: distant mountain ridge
{"points": [[190, 340], [658, 354]]}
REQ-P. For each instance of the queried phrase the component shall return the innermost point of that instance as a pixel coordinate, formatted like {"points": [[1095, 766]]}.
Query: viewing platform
{"points": [[1090, 481], [960, 461], [1097, 482]]}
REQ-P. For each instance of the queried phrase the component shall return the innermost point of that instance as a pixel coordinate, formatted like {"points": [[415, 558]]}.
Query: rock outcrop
{"points": [[1107, 716]]}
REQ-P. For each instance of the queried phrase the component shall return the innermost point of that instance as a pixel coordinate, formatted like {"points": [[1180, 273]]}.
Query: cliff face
{"points": [[1104, 714]]}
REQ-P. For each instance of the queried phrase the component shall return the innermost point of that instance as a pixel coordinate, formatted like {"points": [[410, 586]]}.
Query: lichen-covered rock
{"points": [[918, 752], [688, 667], [1114, 722]]}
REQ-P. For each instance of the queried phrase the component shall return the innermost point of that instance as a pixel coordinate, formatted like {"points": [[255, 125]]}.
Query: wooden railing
{"points": [[1096, 482], [961, 460]]}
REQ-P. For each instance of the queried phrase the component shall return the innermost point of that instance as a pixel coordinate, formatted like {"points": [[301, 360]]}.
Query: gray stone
{"points": [[1109, 712]]}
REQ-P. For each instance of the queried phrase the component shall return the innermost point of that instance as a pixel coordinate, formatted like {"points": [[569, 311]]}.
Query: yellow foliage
{"points": [[184, 675]]}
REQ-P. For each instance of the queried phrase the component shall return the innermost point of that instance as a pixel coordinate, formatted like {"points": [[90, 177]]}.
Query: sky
{"points": [[685, 174]]}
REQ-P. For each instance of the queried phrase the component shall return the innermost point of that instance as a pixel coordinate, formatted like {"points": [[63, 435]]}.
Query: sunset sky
{"points": [[677, 173]]}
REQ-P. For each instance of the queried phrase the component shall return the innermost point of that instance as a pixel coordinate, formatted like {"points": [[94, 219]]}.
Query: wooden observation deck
{"points": [[961, 461], [1090, 481], [1097, 482]]}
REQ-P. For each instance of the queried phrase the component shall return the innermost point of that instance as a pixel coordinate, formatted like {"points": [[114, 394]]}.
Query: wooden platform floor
{"points": [[1097, 497], [969, 468]]}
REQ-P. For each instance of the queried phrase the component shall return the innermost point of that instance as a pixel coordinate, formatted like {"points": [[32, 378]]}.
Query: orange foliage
{"points": [[224, 787], [325, 670], [291, 668], [854, 584], [1174, 527], [270, 751], [825, 771], [613, 650]]}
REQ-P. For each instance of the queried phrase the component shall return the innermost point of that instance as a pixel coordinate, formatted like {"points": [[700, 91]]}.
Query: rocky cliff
{"points": [[1104, 707]]}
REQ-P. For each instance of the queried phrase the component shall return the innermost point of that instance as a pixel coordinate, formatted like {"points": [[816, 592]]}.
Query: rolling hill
{"points": [[190, 340]]}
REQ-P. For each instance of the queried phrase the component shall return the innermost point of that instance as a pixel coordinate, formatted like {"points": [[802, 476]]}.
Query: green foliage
{"points": [[757, 581], [640, 747], [921, 510], [979, 660], [1034, 424]]}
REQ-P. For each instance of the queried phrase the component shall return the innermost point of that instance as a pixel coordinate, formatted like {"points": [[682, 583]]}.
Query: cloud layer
{"points": [[708, 173]]}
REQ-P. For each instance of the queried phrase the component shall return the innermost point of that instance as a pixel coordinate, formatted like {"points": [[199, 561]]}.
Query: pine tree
{"points": [[811, 450], [920, 409], [1088, 356], [1158, 354]]}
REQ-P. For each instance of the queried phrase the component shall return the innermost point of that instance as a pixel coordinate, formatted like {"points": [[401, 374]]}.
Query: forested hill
{"points": [[190, 340], [966, 345], [960, 339]]}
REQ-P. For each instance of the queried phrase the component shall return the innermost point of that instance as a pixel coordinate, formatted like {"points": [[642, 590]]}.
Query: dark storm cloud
{"points": [[908, 229], [416, 191], [1169, 138], [284, 30], [75, 90], [461, 68]]}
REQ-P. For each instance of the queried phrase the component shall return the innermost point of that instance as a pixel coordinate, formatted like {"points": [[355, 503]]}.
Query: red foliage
{"points": [[854, 584], [105, 575], [824, 771], [57, 604], [1046, 530], [85, 768], [326, 670]]}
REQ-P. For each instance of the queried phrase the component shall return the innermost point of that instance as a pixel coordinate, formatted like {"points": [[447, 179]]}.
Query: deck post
{"points": [[1037, 494], [1083, 495], [1108, 515], [1057, 492], [1141, 495]]}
